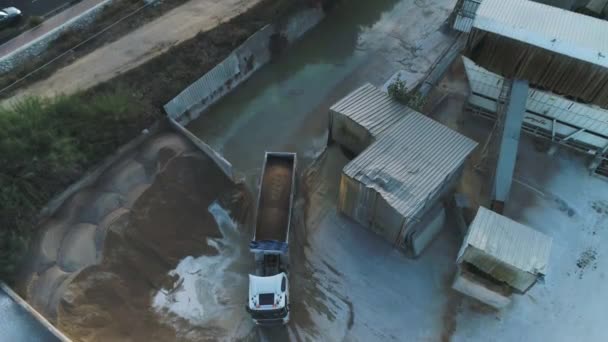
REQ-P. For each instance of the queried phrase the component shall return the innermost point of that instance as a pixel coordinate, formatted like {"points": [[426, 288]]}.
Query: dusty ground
{"points": [[137, 47], [111, 246], [166, 224], [73, 238]]}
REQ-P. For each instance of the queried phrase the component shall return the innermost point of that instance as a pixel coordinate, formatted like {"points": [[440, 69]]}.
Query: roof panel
{"points": [[411, 162], [371, 108], [508, 241], [564, 32]]}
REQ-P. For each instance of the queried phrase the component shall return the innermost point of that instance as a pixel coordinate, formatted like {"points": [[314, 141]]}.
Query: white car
{"points": [[9, 16]]}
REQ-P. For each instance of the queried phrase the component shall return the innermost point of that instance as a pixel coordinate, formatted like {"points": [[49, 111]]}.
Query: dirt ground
{"points": [[166, 224], [273, 215], [137, 47]]}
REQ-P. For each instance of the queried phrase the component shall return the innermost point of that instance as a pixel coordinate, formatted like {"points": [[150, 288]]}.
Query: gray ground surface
{"points": [[17, 325], [34, 7]]}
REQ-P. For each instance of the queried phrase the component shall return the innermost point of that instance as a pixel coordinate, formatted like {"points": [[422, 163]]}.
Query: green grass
{"points": [[46, 144]]}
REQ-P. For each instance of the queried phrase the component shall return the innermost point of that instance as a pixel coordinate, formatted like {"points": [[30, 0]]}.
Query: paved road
{"points": [[16, 324], [34, 7]]}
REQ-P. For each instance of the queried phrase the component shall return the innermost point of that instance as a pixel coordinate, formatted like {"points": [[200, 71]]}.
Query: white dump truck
{"points": [[268, 301]]}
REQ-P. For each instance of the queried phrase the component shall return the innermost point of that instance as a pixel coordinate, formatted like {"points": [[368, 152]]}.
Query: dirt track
{"points": [[141, 45]]}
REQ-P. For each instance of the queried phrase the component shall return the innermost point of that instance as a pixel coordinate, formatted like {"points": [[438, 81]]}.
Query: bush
{"points": [[45, 144], [399, 91], [34, 21]]}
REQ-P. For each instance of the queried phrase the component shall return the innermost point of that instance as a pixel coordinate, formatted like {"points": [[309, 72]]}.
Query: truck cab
{"points": [[269, 299]]}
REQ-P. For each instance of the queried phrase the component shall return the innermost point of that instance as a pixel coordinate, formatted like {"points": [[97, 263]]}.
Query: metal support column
{"points": [[509, 142], [600, 155]]}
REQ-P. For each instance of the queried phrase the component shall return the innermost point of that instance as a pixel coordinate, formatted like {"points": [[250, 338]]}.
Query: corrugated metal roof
{"points": [[410, 162], [465, 15], [591, 118], [371, 108], [508, 241], [564, 32]]}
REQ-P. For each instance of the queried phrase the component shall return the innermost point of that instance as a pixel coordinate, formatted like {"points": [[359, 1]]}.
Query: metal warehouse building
{"points": [[393, 187], [358, 119]]}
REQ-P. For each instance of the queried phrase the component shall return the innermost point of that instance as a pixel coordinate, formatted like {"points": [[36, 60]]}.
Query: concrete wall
{"points": [[237, 67], [222, 163], [36, 47], [467, 285], [227, 75]]}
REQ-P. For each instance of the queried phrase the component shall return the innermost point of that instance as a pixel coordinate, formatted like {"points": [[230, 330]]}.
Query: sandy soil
{"points": [[73, 238], [166, 224], [139, 46], [273, 215]]}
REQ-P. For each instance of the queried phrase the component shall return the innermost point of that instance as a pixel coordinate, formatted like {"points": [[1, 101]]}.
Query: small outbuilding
{"points": [[500, 256]]}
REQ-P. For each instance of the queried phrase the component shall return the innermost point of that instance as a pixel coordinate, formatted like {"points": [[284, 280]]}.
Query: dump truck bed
{"points": [[275, 197]]}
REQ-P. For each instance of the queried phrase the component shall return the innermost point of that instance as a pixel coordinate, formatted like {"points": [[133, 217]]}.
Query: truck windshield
{"points": [[269, 314]]}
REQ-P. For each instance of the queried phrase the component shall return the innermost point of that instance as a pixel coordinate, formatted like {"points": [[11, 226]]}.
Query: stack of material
{"points": [[553, 49], [394, 183], [358, 119], [500, 256]]}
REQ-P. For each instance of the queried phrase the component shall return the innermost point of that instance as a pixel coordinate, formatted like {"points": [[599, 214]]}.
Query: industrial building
{"points": [[562, 54], [395, 185]]}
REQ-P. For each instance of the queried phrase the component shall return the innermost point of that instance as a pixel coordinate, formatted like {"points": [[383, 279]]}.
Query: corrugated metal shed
{"points": [[551, 28], [498, 246], [371, 108], [411, 162]]}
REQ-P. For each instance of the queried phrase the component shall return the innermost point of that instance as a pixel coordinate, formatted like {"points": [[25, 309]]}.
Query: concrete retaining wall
{"points": [[35, 47], [222, 163], [237, 67], [224, 77]]}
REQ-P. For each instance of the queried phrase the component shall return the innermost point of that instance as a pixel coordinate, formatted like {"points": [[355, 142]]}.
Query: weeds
{"points": [[399, 91], [45, 144], [34, 21]]}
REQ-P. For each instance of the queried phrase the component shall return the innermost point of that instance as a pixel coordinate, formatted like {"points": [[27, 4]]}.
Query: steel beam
{"points": [[510, 141]]}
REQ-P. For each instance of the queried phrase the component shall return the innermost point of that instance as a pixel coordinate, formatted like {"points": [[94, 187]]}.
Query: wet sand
{"points": [[111, 301]]}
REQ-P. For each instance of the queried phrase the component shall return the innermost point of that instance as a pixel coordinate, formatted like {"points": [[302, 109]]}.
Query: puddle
{"points": [[198, 294]]}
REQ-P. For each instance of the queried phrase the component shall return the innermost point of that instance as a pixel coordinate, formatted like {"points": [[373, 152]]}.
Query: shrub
{"points": [[34, 21], [399, 91], [45, 144]]}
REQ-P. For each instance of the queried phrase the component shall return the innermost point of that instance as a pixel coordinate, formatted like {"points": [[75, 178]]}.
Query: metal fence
{"points": [[579, 126]]}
